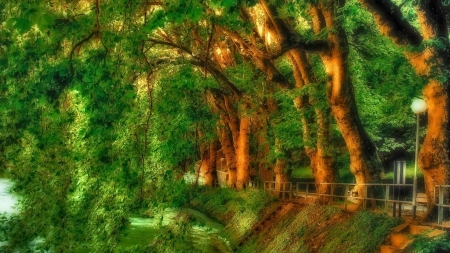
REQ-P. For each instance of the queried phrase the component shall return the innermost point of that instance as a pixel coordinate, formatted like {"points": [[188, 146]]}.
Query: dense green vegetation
{"points": [[106, 105]]}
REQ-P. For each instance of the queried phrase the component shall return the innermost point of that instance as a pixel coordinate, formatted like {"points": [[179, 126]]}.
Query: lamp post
{"points": [[418, 106]]}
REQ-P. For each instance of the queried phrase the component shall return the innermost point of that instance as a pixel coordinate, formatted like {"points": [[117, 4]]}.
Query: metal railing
{"points": [[443, 190], [285, 189], [385, 193]]}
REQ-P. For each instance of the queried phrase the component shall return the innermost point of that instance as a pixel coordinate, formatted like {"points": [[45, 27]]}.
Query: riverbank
{"points": [[256, 222]]}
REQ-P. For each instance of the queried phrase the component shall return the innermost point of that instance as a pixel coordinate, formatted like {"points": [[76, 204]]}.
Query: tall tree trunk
{"points": [[364, 161], [434, 155], [242, 153]]}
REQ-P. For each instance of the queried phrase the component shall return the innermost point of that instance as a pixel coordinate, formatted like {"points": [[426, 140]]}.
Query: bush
{"points": [[424, 244]]}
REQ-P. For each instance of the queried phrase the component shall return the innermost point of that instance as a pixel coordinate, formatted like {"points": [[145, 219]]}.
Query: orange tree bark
{"points": [[431, 61], [242, 152], [364, 161]]}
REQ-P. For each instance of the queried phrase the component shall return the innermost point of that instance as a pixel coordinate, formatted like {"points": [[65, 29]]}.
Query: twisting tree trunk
{"points": [[433, 63], [364, 161]]}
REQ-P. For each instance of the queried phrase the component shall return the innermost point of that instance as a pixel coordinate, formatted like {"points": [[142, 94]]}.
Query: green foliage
{"points": [[424, 244]]}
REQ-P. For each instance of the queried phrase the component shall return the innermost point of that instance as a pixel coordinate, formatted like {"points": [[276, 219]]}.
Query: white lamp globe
{"points": [[418, 106]]}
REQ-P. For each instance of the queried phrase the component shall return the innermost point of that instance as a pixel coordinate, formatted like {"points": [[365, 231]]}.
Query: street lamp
{"points": [[418, 106]]}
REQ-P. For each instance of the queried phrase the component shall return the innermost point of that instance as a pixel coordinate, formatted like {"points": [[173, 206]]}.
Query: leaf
{"points": [[129, 95], [229, 3], [22, 25], [44, 20]]}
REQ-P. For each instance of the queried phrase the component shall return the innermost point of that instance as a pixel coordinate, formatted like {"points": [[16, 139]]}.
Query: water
{"points": [[205, 236], [7, 200]]}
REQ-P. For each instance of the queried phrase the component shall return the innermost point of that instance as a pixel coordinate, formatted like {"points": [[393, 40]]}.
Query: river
{"points": [[205, 237]]}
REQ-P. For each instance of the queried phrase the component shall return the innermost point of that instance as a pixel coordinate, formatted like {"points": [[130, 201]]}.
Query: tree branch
{"points": [[319, 45], [220, 76], [392, 23]]}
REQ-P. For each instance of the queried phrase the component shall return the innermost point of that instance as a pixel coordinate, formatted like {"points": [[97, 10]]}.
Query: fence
{"points": [[388, 194], [395, 194], [443, 190], [285, 190]]}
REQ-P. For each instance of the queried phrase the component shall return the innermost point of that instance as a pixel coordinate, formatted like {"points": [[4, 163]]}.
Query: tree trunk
{"points": [[281, 175], [229, 153], [434, 155], [326, 170], [211, 169], [364, 161], [242, 153], [208, 162]]}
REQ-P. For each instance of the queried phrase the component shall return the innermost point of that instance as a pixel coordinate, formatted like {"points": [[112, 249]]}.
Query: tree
{"points": [[427, 50]]}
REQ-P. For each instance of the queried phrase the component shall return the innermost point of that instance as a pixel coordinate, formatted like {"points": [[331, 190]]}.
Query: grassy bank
{"points": [[310, 228], [323, 229], [239, 211]]}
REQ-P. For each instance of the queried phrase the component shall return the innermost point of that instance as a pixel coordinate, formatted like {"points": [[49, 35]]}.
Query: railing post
{"points": [[386, 198], [364, 196], [307, 190], [318, 192], [440, 206], [290, 191], [346, 196], [332, 192]]}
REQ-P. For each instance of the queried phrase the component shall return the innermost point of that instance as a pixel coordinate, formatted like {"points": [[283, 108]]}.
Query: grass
{"points": [[305, 172], [325, 229], [409, 172], [364, 232], [347, 177]]}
